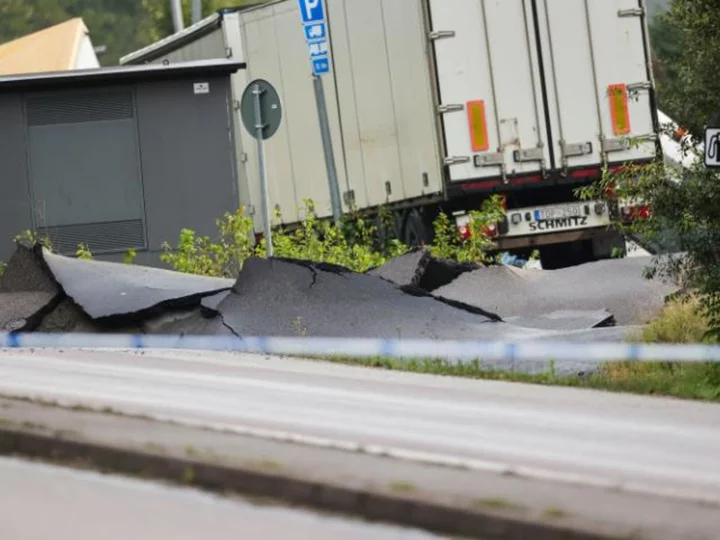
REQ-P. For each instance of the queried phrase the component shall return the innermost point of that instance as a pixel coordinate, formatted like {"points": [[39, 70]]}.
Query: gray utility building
{"points": [[117, 158]]}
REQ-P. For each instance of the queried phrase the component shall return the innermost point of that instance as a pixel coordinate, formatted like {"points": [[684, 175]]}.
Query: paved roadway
{"points": [[40, 502], [646, 445]]}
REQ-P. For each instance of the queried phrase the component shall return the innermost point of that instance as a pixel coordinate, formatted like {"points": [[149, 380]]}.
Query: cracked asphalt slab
{"points": [[420, 269], [106, 289], [617, 285], [286, 298], [278, 298]]}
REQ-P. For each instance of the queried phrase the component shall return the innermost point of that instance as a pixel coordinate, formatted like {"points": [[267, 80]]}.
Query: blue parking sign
{"points": [[315, 27], [315, 31], [319, 48], [312, 11], [321, 66]]}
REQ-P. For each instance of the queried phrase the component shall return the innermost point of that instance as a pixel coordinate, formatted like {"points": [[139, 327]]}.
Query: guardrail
{"points": [[451, 351]]}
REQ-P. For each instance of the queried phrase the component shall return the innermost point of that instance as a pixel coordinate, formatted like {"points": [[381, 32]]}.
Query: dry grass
{"points": [[682, 321]]}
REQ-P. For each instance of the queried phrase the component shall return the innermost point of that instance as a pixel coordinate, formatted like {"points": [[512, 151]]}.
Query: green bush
{"points": [[449, 244], [352, 243], [221, 257], [3, 267], [358, 243], [83, 253]]}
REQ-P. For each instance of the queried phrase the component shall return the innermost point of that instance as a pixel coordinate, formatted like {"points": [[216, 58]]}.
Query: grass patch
{"points": [[554, 513], [697, 381], [681, 321], [402, 487], [497, 503]]}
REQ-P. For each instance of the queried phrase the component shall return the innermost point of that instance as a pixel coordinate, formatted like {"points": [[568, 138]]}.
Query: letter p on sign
{"points": [[312, 11]]}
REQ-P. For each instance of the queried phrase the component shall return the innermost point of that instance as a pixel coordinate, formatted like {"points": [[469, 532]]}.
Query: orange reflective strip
{"points": [[478, 126], [619, 109]]}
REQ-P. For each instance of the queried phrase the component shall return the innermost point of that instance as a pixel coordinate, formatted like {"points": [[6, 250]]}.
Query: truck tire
{"points": [[415, 230]]}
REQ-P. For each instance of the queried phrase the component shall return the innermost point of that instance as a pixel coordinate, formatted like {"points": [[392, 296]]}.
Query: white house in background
{"points": [[65, 46]]}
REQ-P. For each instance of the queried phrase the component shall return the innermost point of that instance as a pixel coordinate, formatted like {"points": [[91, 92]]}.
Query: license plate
{"points": [[558, 212]]}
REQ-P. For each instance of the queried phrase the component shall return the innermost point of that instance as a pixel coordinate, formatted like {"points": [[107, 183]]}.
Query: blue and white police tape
{"points": [[452, 351]]}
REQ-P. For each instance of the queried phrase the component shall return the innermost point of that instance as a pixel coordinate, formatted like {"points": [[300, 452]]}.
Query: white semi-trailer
{"points": [[436, 104]]}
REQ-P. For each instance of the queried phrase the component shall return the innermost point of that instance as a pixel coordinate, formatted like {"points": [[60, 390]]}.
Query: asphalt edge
{"points": [[395, 509]]}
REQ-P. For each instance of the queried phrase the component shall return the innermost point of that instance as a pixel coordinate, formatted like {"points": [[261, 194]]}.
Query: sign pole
{"points": [[328, 147], [259, 130], [315, 25]]}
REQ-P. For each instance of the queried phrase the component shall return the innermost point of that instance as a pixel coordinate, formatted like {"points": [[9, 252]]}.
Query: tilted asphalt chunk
{"points": [[617, 285], [112, 290], [23, 311], [419, 268], [210, 303], [27, 292], [281, 298], [405, 270], [440, 272], [566, 320], [27, 271], [68, 317]]}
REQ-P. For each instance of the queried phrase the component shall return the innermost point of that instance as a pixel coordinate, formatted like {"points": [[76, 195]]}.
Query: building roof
{"points": [[191, 33], [117, 74], [51, 49]]}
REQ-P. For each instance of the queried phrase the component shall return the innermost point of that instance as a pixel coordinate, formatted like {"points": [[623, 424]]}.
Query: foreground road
{"points": [[41, 501], [645, 445]]}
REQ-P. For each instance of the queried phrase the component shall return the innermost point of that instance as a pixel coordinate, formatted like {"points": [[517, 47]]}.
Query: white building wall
{"points": [[86, 57]]}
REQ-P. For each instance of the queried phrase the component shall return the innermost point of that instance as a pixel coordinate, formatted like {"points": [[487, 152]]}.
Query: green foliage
{"points": [[130, 256], [667, 49], [357, 242], [83, 252], [685, 218], [682, 321], [30, 238], [221, 257], [450, 245], [685, 204], [3, 267], [352, 243], [121, 25], [687, 44], [699, 381]]}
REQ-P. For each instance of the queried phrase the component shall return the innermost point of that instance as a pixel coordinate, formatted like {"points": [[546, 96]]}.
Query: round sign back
{"points": [[270, 109]]}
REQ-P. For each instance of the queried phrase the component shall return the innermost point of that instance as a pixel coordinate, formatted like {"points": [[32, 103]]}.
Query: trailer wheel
{"points": [[416, 232]]}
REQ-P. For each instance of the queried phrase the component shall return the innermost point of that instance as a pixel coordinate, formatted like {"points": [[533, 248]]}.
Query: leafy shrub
{"points": [[352, 243], [31, 238], [83, 253], [475, 247], [3, 267], [221, 257], [130, 256], [356, 242]]}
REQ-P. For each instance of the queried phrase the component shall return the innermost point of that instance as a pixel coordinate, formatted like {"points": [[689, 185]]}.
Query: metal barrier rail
{"points": [[451, 351]]}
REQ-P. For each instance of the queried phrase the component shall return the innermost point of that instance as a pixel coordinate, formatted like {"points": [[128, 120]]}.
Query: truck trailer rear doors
{"points": [[532, 86], [597, 75], [488, 73]]}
